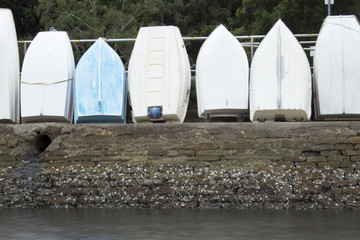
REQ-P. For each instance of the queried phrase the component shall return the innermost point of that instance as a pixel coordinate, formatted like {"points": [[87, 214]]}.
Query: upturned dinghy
{"points": [[222, 76], [9, 69], [47, 76], [159, 76], [337, 69], [99, 86], [280, 78]]}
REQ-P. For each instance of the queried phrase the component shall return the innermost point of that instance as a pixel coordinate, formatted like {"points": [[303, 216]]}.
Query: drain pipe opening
{"points": [[40, 143]]}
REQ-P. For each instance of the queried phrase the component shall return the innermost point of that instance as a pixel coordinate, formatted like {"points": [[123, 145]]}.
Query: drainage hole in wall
{"points": [[40, 143]]}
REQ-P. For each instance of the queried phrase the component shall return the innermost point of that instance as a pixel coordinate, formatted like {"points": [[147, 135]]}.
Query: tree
{"points": [[90, 19], [26, 20], [84, 19], [301, 16]]}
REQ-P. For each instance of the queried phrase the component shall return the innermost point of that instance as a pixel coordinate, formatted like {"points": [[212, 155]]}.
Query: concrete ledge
{"points": [[231, 165]]}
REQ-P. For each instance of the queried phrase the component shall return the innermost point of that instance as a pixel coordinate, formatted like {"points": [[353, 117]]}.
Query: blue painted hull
{"points": [[99, 86]]}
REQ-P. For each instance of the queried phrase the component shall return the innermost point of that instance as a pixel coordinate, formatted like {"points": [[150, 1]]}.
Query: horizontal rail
{"points": [[307, 42], [24, 41], [250, 43], [184, 38]]}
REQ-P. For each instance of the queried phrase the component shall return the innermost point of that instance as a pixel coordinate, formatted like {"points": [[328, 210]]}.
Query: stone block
{"points": [[3, 140], [194, 146], [356, 146], [252, 157], [306, 165], [64, 166], [329, 153], [298, 159], [329, 165], [173, 153], [336, 192], [49, 158], [194, 163], [77, 158], [137, 160], [350, 152], [307, 153], [283, 164], [53, 130], [4, 130], [306, 183], [330, 139], [107, 158], [345, 183], [163, 190], [316, 159], [309, 176], [205, 158], [94, 153], [355, 158], [134, 152], [7, 158], [177, 160], [215, 152], [343, 146], [311, 146], [354, 139], [338, 158], [156, 151], [354, 190], [284, 190], [7, 164], [136, 190], [353, 165], [255, 165], [238, 144]]}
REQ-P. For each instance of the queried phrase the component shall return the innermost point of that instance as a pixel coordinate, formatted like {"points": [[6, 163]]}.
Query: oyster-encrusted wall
{"points": [[231, 165]]}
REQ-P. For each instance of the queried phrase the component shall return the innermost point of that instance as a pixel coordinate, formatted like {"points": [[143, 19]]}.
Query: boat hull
{"points": [[222, 76], [337, 69], [47, 79], [280, 78], [159, 76], [9, 69], [99, 86]]}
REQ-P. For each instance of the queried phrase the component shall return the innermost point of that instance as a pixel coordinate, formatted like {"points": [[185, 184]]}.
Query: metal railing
{"points": [[246, 41]]}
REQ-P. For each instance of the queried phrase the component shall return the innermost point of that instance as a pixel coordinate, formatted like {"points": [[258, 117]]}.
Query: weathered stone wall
{"points": [[232, 165]]}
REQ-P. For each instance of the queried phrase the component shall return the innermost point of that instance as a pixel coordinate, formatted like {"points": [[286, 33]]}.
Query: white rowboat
{"points": [[9, 69], [337, 69], [47, 78], [280, 78], [222, 76], [159, 76]]}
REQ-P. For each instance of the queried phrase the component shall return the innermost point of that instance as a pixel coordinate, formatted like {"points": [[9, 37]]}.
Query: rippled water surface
{"points": [[177, 224]]}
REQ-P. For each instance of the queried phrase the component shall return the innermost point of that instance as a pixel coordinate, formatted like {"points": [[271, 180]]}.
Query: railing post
{"points": [[252, 47]]}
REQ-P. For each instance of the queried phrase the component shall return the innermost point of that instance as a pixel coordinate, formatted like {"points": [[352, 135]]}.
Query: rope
{"points": [[62, 81]]}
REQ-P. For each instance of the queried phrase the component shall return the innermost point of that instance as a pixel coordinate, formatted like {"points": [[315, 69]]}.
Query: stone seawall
{"points": [[192, 165]]}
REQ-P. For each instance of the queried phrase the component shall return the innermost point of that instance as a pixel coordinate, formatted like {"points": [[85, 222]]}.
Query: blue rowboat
{"points": [[99, 86]]}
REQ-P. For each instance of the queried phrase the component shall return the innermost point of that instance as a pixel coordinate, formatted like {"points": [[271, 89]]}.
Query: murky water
{"points": [[177, 224]]}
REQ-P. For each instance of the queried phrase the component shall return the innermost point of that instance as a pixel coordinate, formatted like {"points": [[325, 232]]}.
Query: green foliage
{"points": [[90, 19], [26, 20]]}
